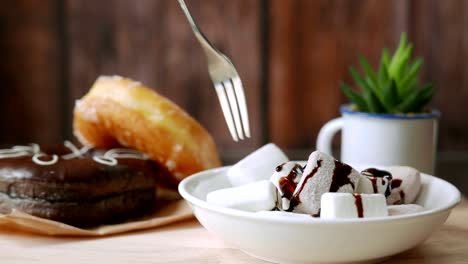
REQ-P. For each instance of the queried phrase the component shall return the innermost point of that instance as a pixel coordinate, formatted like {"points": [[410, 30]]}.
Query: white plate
{"points": [[315, 240]]}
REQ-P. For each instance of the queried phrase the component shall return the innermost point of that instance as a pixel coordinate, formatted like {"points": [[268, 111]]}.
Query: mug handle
{"points": [[326, 134]]}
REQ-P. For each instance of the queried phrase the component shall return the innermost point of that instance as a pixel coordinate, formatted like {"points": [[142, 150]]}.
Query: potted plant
{"points": [[389, 121]]}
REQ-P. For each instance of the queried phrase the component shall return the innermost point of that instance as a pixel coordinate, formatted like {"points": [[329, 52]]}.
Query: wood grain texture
{"points": [[312, 45], [150, 41], [440, 34], [189, 242], [29, 72]]}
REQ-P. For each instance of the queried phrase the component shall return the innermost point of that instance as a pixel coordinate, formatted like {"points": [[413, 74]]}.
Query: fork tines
{"points": [[232, 99]]}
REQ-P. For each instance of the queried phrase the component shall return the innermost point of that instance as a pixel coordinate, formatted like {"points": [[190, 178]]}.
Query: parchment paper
{"points": [[172, 209]]}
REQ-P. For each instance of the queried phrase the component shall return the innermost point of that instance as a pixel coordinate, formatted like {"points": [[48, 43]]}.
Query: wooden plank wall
{"points": [[30, 74], [312, 45], [440, 30], [290, 54]]}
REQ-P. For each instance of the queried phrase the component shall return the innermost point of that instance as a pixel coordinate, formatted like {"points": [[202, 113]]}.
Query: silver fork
{"points": [[226, 82]]}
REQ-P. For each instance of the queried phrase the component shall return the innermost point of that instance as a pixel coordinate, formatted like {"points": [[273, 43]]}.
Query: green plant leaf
{"points": [[426, 96], [360, 81], [392, 87], [372, 101], [402, 66], [375, 86], [397, 56], [354, 97], [410, 78], [417, 99], [383, 68], [375, 106], [391, 96], [372, 77], [368, 94], [411, 87]]}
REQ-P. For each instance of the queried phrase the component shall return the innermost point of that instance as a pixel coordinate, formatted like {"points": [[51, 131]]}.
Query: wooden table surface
{"points": [[189, 242]]}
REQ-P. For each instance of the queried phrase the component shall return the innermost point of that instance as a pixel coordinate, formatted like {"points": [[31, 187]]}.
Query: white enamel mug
{"points": [[384, 139]]}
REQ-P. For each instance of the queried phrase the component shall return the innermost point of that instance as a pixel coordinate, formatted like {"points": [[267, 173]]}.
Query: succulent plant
{"points": [[393, 88]]}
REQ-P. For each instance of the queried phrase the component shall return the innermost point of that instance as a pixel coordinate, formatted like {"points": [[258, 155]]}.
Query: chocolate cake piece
{"points": [[81, 187]]}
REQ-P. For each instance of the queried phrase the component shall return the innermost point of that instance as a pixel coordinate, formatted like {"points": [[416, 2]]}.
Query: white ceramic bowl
{"points": [[315, 240]]}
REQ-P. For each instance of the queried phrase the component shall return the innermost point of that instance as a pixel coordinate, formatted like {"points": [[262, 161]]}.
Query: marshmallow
{"points": [[349, 205], [322, 174], [405, 185], [283, 214], [374, 181], [285, 178], [258, 165], [252, 197], [403, 209]]}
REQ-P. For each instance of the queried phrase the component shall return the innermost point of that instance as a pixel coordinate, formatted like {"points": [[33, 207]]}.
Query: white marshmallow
{"points": [[406, 184], [258, 165], [285, 178], [252, 197], [403, 209], [283, 214], [322, 174], [348, 205]]}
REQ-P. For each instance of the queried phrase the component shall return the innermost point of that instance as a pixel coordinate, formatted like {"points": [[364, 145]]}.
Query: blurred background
{"points": [[290, 55]]}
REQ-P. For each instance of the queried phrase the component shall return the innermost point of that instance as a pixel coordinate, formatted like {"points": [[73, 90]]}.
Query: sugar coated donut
{"points": [[75, 185], [120, 112]]}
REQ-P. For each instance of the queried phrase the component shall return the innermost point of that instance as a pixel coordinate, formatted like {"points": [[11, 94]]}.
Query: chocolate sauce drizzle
{"points": [[374, 184], [279, 167], [359, 207], [340, 176], [402, 195], [295, 200], [376, 173], [317, 214], [396, 183], [287, 184], [373, 173]]}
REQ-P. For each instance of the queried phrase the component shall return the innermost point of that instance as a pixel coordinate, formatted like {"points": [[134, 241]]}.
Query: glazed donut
{"points": [[77, 186], [121, 112]]}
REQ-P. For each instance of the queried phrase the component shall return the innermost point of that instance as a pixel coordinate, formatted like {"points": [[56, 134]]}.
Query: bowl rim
{"points": [[194, 201]]}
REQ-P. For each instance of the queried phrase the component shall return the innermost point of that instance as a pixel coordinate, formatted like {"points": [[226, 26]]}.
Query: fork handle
{"points": [[190, 19], [198, 33]]}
